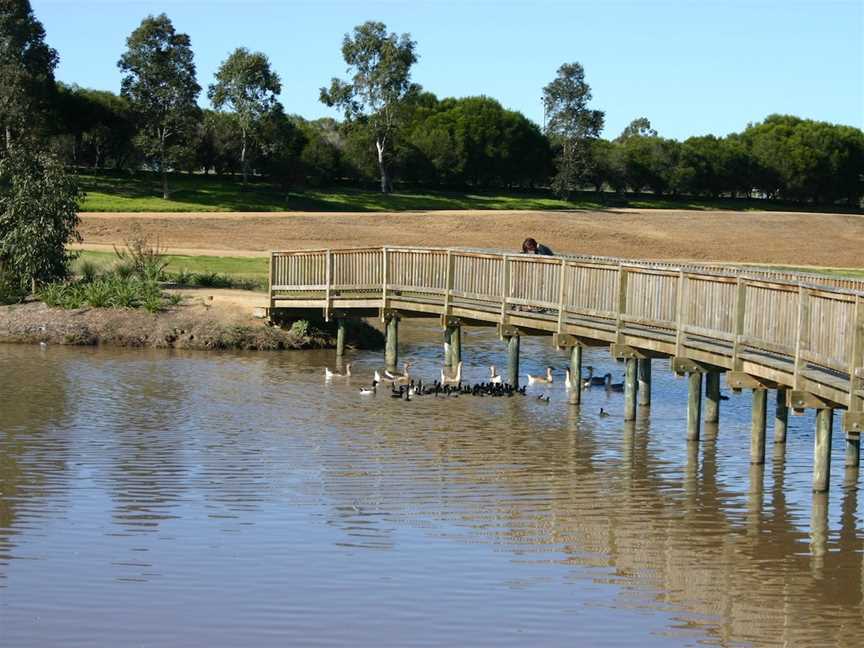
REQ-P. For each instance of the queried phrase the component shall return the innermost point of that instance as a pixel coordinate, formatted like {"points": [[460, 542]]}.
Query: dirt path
{"points": [[802, 239]]}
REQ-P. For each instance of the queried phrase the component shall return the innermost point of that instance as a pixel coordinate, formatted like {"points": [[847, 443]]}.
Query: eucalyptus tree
{"points": [[247, 86], [26, 68], [571, 126], [159, 83], [380, 68], [38, 217]]}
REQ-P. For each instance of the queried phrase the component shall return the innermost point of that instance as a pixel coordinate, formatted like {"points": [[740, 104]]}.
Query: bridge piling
{"points": [[574, 396], [853, 450], [340, 338], [452, 345], [513, 360], [822, 449], [631, 388], [712, 397], [757, 426], [455, 345], [694, 404], [781, 417], [644, 387], [391, 344]]}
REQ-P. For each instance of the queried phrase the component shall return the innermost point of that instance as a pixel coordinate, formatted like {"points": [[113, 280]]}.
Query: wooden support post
{"points": [[822, 449], [513, 360], [853, 450], [712, 397], [455, 346], [645, 382], [694, 404], [631, 389], [391, 348], [574, 397], [781, 416], [758, 418], [340, 337]]}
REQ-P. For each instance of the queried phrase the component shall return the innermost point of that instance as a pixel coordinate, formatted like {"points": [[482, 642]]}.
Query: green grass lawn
{"points": [[120, 192], [255, 268]]}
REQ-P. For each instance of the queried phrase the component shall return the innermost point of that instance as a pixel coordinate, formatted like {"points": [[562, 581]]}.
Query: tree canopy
{"points": [[247, 86], [26, 68], [159, 83], [571, 126], [380, 68]]}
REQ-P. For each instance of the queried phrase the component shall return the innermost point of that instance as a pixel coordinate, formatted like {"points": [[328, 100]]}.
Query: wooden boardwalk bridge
{"points": [[799, 334]]}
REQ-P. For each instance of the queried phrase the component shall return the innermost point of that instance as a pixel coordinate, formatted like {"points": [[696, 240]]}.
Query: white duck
{"points": [[454, 379], [540, 380], [329, 375]]}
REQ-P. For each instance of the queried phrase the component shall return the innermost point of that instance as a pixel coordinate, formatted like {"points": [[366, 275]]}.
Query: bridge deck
{"points": [[803, 332]]}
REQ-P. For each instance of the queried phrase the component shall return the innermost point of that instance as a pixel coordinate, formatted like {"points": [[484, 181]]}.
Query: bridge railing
{"points": [[781, 313]]}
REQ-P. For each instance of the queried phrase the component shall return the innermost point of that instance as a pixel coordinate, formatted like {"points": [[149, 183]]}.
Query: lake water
{"points": [[158, 498]]}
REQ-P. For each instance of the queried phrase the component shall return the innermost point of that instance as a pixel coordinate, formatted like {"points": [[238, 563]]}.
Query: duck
{"points": [[366, 391], [603, 412], [452, 380], [543, 398], [328, 375], [494, 378], [540, 380], [613, 387], [591, 380], [404, 374]]}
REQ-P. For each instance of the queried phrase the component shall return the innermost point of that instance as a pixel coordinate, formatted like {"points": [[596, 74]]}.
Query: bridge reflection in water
{"points": [[732, 556]]}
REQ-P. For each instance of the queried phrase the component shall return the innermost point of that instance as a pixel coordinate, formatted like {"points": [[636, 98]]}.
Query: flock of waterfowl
{"points": [[450, 384]]}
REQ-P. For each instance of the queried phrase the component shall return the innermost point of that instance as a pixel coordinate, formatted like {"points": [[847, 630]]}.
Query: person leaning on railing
{"points": [[530, 246]]}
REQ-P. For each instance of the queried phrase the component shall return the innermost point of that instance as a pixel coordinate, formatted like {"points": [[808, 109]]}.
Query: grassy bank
{"points": [[120, 192]]}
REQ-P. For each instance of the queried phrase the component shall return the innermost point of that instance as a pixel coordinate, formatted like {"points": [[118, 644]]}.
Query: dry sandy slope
{"points": [[757, 237]]}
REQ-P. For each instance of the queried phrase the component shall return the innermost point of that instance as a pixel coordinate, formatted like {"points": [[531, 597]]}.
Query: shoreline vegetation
{"points": [[186, 325], [131, 299], [117, 191]]}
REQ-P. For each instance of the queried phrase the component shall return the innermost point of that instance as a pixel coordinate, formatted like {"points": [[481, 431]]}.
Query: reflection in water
{"points": [[213, 499]]}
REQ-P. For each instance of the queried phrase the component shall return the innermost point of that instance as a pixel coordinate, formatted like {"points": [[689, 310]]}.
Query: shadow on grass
{"points": [[119, 191]]}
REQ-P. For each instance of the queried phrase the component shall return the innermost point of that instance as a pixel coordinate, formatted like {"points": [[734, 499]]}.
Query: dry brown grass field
{"points": [[786, 238]]}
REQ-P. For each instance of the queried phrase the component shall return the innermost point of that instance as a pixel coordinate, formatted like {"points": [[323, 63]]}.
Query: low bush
{"points": [[109, 291]]}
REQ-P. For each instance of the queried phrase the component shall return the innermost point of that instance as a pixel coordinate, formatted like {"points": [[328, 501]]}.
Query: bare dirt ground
{"points": [[787, 238]]}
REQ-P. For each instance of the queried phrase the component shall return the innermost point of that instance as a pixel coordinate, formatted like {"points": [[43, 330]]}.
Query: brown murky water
{"points": [[219, 500]]}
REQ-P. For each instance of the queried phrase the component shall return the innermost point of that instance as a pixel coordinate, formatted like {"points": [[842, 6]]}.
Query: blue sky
{"points": [[691, 67]]}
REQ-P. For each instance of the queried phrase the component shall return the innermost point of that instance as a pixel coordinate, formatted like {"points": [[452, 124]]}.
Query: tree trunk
{"points": [[8, 138], [163, 169], [382, 168], [243, 157]]}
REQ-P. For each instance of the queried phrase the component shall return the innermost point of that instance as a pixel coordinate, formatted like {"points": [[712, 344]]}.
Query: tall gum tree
{"points": [[247, 86], [26, 68], [380, 67], [571, 126], [159, 83]]}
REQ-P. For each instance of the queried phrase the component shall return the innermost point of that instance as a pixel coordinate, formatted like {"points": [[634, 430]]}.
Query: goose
{"points": [[603, 412], [610, 386], [366, 391], [540, 380], [495, 378], [382, 380], [404, 373], [591, 380], [452, 380], [334, 374], [568, 382]]}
